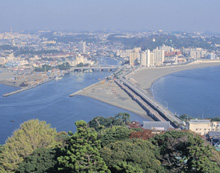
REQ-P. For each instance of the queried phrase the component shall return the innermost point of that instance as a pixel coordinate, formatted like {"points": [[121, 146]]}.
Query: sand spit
{"points": [[110, 93]]}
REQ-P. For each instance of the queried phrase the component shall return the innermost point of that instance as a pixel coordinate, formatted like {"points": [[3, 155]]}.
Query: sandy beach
{"points": [[143, 78], [109, 92]]}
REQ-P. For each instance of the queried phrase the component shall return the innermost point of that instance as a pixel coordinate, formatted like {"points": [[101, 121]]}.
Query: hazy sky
{"points": [[169, 15]]}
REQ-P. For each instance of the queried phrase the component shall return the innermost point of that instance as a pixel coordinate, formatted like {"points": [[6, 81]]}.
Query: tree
{"points": [[185, 117], [132, 155], [125, 117], [119, 120], [172, 147], [32, 134], [101, 121], [40, 161], [82, 152], [199, 156], [115, 133], [182, 151], [215, 119]]}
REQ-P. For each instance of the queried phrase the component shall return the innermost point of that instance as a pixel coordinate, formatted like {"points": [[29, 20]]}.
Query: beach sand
{"points": [[109, 92], [143, 78]]}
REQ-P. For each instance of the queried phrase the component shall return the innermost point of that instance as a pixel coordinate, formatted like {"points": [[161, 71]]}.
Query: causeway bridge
{"points": [[95, 68], [155, 110]]}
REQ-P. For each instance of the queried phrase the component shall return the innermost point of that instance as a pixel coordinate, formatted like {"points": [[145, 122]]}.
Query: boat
{"points": [[58, 78]]}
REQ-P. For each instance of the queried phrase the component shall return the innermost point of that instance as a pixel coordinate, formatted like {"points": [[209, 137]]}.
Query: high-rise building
{"points": [[135, 56], [151, 63], [145, 58], [158, 57], [82, 47]]}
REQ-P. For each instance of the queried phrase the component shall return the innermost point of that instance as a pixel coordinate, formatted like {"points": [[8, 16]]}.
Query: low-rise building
{"points": [[203, 127], [157, 125]]}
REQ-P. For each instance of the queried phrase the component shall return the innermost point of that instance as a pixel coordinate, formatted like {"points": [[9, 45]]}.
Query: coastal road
{"points": [[166, 114]]}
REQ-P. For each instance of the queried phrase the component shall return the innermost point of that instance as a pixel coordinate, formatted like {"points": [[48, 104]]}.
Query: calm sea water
{"points": [[194, 92], [51, 102]]}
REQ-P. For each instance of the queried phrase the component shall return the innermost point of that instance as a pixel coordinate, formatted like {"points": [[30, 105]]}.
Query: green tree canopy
{"points": [[100, 122], [32, 134], [40, 161], [184, 151], [82, 152], [199, 156], [132, 155], [115, 133]]}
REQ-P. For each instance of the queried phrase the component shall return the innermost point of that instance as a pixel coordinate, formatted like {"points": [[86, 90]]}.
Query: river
{"points": [[51, 103]]}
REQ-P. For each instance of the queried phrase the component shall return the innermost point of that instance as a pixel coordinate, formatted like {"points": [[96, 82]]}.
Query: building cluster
{"points": [[163, 56], [208, 128], [157, 57], [146, 58]]}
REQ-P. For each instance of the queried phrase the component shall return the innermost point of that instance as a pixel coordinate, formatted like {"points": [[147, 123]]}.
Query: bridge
{"points": [[95, 68], [154, 109]]}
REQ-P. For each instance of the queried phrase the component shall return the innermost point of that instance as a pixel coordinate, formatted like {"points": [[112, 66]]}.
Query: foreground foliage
{"points": [[109, 146], [98, 123], [115, 133], [42, 160], [185, 151], [32, 135], [82, 152], [131, 155]]}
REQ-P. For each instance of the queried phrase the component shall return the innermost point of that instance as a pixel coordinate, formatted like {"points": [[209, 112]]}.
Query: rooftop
{"points": [[198, 121], [156, 125]]}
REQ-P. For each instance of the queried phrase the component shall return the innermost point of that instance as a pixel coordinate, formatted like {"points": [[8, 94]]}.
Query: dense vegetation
{"points": [[45, 68], [154, 41], [105, 145]]}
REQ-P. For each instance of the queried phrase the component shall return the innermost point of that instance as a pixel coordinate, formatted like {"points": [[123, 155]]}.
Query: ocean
{"points": [[193, 92]]}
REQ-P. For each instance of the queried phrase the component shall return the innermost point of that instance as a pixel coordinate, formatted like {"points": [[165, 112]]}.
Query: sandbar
{"points": [[109, 92]]}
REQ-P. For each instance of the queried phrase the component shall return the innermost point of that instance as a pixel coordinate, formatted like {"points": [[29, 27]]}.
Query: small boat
{"points": [[58, 78]]}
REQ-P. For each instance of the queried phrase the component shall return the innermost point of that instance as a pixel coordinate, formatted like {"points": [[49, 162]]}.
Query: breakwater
{"points": [[25, 88]]}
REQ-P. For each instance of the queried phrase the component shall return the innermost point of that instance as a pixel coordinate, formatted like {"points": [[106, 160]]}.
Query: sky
{"points": [[115, 15]]}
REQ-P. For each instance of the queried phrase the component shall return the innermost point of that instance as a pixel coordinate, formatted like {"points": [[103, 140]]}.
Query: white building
{"points": [[82, 47], [158, 57], [211, 56], [145, 58]]}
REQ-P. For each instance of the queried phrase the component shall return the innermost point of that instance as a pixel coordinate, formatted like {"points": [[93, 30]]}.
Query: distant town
{"points": [[28, 59]]}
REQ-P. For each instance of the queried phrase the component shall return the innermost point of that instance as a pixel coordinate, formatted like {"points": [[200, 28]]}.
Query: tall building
{"points": [[211, 56], [82, 47], [134, 56], [151, 63], [145, 58], [158, 57]]}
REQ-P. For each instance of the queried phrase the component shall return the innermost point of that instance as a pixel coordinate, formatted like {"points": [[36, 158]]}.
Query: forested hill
{"points": [[105, 145], [153, 41]]}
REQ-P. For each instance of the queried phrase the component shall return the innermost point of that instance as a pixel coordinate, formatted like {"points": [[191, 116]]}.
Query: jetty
{"points": [[25, 88]]}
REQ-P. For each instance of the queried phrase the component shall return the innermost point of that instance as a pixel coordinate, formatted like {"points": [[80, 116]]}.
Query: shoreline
{"points": [[145, 82], [109, 103], [110, 93], [144, 78]]}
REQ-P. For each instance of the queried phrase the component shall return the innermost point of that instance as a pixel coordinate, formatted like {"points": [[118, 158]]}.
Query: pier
{"points": [[25, 88]]}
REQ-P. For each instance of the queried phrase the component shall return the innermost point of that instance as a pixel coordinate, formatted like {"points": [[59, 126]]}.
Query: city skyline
{"points": [[124, 15]]}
